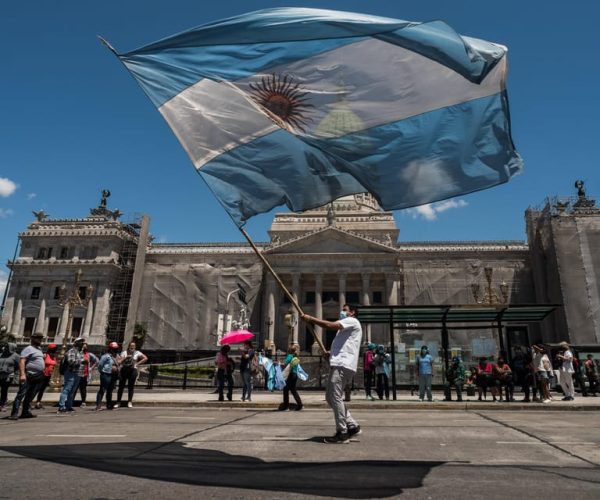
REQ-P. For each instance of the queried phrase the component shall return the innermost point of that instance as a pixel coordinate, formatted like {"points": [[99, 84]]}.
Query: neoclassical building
{"points": [[185, 295]]}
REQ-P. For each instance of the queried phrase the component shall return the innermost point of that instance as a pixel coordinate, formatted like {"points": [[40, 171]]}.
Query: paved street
{"points": [[260, 453]]}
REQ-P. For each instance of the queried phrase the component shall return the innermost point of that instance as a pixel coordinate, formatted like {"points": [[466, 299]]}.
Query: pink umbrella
{"points": [[236, 337]]}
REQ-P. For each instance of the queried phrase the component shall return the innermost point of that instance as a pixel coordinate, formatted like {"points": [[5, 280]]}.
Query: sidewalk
{"points": [[205, 398]]}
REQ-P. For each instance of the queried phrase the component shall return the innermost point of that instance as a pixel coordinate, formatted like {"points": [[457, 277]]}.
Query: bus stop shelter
{"points": [[446, 317]]}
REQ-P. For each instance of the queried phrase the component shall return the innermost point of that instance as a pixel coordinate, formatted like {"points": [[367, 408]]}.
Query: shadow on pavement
{"points": [[177, 463]]}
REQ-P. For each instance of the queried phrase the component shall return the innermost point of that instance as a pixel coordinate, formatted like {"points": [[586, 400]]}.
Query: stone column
{"points": [[62, 328], [342, 290], [296, 293], [391, 282], [16, 324], [41, 319], [318, 311], [9, 309], [366, 301], [270, 320], [101, 307], [87, 323]]}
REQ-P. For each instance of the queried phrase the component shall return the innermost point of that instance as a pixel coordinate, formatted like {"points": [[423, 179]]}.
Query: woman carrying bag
{"points": [[290, 373]]}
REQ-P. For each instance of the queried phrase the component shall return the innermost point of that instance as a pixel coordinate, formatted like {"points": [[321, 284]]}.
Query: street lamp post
{"points": [[291, 321], [70, 301]]}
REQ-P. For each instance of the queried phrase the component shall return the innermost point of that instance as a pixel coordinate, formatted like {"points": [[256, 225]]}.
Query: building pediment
{"points": [[330, 240]]}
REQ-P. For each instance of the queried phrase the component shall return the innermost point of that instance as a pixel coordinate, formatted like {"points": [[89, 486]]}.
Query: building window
{"points": [[28, 328], [331, 297], [44, 253], [35, 292], [89, 253], [310, 298], [76, 327], [377, 298], [352, 298], [65, 253], [83, 292], [56, 295], [52, 328]]}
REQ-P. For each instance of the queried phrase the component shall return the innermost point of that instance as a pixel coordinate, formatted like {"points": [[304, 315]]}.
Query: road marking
{"points": [[520, 442], [81, 435], [282, 438], [195, 418]]}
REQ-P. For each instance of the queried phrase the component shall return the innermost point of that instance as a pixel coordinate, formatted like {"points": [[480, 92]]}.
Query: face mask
{"points": [[343, 314]]}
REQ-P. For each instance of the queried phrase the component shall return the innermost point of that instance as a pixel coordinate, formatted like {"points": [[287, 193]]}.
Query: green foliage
{"points": [[193, 371]]}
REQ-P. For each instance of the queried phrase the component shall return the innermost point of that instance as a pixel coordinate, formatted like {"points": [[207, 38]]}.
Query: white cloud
{"points": [[5, 213], [430, 211], [7, 187], [31, 196]]}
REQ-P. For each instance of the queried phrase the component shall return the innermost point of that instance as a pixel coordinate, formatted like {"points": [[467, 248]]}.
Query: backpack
{"points": [[64, 365]]}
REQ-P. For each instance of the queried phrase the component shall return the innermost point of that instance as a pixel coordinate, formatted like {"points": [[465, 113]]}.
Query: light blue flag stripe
{"points": [[455, 150], [252, 43]]}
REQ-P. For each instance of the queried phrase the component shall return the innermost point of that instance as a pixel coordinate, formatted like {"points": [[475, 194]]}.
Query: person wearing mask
{"points": [[591, 374], [543, 368], [381, 362], [224, 372], [246, 370], [425, 371], [73, 372], [369, 369], [483, 377], [108, 366], [343, 362], [566, 370], [31, 373], [9, 365], [49, 364], [291, 363], [502, 375], [89, 363], [455, 377], [129, 362], [529, 381]]}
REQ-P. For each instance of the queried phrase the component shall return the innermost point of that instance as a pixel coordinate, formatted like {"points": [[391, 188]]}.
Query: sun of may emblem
{"points": [[284, 101]]}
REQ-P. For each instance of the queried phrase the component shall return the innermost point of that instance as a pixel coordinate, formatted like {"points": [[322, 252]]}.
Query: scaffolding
{"points": [[121, 288]]}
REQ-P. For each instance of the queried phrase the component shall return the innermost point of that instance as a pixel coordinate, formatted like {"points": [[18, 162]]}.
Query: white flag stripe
{"points": [[210, 118], [352, 88]]}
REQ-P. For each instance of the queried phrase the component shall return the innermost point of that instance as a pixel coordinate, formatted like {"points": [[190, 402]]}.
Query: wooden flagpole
{"points": [[281, 285]]}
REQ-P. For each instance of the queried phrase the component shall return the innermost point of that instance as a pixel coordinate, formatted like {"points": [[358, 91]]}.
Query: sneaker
{"points": [[3, 408], [370, 398], [28, 415], [299, 408], [71, 411], [547, 401], [13, 417], [82, 404], [338, 438], [98, 408], [283, 408], [62, 411], [354, 431], [129, 404], [39, 406]]}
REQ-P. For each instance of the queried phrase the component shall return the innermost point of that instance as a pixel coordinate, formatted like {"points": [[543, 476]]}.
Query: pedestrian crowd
{"points": [[34, 370]]}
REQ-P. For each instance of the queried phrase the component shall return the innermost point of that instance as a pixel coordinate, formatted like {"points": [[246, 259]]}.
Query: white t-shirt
{"points": [[135, 356], [567, 364], [345, 347]]}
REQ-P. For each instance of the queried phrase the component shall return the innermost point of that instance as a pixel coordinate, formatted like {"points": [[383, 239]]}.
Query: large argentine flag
{"points": [[301, 106]]}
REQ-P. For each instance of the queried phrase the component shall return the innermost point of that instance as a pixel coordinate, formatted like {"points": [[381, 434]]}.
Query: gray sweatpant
{"points": [[339, 378]]}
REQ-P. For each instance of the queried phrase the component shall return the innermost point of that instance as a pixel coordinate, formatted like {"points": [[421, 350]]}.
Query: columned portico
{"points": [[271, 319], [318, 311], [296, 293], [366, 301]]}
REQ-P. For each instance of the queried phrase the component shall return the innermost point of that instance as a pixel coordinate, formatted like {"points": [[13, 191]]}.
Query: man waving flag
{"points": [[302, 106]]}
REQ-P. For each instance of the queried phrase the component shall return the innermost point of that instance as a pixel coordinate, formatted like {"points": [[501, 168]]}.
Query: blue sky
{"points": [[72, 121]]}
